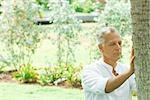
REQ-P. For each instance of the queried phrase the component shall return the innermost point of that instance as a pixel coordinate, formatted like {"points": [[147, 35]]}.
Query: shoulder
{"points": [[92, 66], [93, 69]]}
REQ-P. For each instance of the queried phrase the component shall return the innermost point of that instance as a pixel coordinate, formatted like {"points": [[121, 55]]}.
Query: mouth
{"points": [[117, 51], [117, 54]]}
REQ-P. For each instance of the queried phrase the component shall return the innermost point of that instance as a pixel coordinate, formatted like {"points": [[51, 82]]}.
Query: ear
{"points": [[100, 46]]}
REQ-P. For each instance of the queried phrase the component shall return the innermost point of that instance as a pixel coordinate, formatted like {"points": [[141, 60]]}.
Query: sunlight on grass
{"points": [[13, 91]]}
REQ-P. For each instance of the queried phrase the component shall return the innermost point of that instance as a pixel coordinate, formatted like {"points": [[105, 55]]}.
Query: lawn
{"points": [[14, 91]]}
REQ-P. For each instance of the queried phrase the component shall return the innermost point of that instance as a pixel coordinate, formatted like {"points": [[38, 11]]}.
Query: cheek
{"points": [[108, 51]]}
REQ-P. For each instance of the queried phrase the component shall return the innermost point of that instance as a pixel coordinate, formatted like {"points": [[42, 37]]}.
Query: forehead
{"points": [[110, 37]]}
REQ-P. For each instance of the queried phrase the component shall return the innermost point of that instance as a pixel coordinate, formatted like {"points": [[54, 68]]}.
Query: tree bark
{"points": [[140, 10]]}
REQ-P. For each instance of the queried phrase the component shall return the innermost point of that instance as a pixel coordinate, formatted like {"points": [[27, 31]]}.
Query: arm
{"points": [[112, 84], [93, 82]]}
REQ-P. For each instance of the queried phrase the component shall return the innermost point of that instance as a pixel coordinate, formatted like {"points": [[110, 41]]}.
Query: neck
{"points": [[110, 61]]}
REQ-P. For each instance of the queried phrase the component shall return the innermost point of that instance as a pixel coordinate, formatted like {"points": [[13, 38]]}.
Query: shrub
{"points": [[26, 74], [72, 75], [19, 34], [45, 79], [83, 6], [50, 75], [43, 3], [66, 27], [117, 14]]}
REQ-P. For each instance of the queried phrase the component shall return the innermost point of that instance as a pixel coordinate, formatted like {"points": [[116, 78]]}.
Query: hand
{"points": [[132, 57]]}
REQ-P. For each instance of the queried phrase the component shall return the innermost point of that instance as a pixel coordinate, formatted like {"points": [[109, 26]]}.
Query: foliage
{"points": [[18, 32], [83, 6], [45, 79], [66, 26], [72, 75], [117, 14], [87, 6], [98, 6], [43, 3], [1, 67], [50, 75], [26, 74]]}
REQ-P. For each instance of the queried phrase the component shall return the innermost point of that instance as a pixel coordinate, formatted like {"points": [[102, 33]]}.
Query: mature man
{"points": [[107, 79]]}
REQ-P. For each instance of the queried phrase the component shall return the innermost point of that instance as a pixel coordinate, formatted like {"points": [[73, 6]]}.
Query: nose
{"points": [[118, 46]]}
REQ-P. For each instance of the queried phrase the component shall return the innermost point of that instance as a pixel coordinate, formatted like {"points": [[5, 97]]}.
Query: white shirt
{"points": [[94, 78]]}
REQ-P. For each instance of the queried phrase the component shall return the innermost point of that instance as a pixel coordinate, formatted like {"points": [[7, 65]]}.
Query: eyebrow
{"points": [[112, 41]]}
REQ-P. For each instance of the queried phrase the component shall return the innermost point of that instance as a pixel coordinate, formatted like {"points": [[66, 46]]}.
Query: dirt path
{"points": [[6, 77]]}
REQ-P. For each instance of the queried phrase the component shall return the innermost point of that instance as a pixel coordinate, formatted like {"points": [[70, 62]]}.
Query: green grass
{"points": [[13, 91]]}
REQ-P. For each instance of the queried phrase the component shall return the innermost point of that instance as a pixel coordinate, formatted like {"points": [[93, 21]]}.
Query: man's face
{"points": [[111, 48]]}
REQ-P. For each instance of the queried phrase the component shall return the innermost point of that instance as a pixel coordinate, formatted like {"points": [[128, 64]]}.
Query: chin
{"points": [[117, 57]]}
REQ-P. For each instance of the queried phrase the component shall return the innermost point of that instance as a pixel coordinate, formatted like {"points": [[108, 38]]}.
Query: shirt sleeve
{"points": [[132, 79], [132, 83], [93, 82]]}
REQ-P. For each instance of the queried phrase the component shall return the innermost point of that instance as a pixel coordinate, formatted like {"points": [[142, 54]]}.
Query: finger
{"points": [[132, 52], [132, 59]]}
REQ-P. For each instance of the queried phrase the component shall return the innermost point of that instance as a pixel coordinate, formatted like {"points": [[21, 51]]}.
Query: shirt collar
{"points": [[106, 65]]}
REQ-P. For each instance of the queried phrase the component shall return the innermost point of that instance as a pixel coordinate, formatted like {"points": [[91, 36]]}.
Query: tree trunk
{"points": [[140, 10]]}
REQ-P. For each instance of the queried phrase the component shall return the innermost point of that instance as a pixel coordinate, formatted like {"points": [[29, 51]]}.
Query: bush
{"points": [[45, 79], [50, 75], [72, 75], [117, 14], [66, 26], [83, 6], [19, 34], [26, 74], [43, 3]]}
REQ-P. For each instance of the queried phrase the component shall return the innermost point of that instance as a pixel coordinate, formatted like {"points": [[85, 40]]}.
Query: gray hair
{"points": [[104, 31]]}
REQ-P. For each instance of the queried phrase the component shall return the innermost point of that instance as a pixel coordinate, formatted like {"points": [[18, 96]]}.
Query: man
{"points": [[107, 79]]}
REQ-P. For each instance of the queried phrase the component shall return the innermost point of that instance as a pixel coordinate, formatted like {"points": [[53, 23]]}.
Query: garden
{"points": [[44, 45]]}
